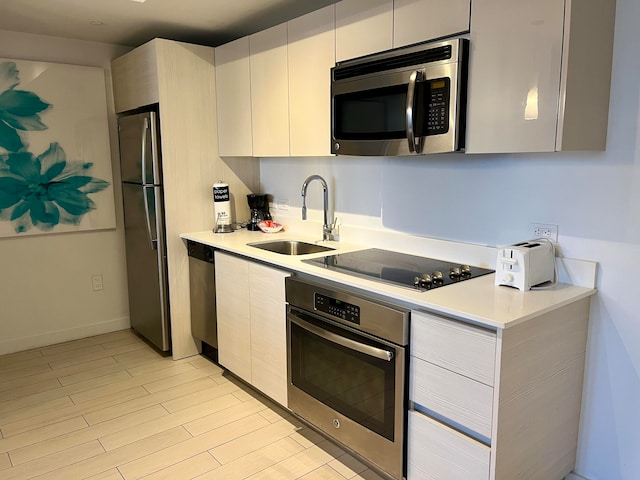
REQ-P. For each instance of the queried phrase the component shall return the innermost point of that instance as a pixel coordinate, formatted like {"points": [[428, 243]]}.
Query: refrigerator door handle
{"points": [[153, 236], [155, 157], [143, 153]]}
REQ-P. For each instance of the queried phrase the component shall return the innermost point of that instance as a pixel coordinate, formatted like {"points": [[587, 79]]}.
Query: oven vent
{"points": [[396, 61]]}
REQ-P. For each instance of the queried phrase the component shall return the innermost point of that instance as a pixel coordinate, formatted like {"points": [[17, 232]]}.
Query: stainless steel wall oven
{"points": [[347, 367]]}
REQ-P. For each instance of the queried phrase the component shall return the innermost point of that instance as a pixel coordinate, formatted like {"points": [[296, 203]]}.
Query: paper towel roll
{"points": [[222, 205]]}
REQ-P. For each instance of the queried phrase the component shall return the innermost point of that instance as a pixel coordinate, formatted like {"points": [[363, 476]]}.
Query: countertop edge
{"points": [[477, 300]]}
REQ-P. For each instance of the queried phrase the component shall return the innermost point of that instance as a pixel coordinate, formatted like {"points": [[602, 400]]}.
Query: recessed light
{"points": [[139, 1], [96, 23]]}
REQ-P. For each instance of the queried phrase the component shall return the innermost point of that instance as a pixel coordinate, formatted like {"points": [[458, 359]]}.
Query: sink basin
{"points": [[290, 247]]}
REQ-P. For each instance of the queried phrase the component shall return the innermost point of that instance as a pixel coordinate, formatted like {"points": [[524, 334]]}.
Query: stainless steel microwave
{"points": [[409, 101]]}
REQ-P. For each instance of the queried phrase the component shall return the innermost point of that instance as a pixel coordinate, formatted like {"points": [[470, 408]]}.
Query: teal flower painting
{"points": [[43, 191], [46, 190], [19, 109]]}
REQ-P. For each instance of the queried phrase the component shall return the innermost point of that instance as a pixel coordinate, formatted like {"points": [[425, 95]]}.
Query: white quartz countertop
{"points": [[477, 300]]}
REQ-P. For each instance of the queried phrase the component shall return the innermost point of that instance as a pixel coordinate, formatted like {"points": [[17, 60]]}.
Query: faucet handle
{"points": [[331, 231]]}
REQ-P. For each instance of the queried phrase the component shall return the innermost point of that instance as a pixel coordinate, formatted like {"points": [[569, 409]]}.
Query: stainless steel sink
{"points": [[290, 247]]}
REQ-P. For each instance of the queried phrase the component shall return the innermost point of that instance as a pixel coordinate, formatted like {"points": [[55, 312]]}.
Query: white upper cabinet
{"points": [[311, 52], [273, 87], [269, 92], [135, 78], [417, 21], [363, 27], [233, 94], [539, 75]]}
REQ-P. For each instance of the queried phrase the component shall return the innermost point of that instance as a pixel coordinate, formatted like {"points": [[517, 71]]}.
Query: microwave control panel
{"points": [[438, 102]]}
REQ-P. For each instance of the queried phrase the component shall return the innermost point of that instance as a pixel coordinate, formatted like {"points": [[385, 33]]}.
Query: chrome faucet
{"points": [[327, 228]]}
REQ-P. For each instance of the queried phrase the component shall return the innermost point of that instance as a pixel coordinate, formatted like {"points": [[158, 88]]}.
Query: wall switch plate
{"points": [[543, 230], [96, 282]]}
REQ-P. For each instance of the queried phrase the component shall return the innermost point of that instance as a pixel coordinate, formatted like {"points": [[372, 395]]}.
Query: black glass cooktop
{"points": [[399, 268]]}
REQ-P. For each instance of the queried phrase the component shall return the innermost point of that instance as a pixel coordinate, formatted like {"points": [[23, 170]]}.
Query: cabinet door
{"points": [[268, 331], [311, 51], [363, 27], [417, 21], [135, 78], [233, 99], [514, 84], [269, 92], [232, 307]]}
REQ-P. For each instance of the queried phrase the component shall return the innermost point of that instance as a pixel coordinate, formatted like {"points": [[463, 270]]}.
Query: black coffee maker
{"points": [[259, 205]]}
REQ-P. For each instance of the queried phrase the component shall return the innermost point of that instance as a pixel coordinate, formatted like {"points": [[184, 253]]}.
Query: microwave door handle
{"points": [[411, 96]]}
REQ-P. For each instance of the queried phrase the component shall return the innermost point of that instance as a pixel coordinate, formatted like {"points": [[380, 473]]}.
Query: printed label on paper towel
{"points": [[221, 193]]}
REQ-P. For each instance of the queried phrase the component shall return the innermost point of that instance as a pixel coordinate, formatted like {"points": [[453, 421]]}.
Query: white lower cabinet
{"points": [[495, 404], [455, 346], [251, 312], [451, 376], [268, 331], [437, 452], [454, 396]]}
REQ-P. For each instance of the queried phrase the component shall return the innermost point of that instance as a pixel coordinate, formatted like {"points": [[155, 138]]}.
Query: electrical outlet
{"points": [[96, 282], [543, 230]]}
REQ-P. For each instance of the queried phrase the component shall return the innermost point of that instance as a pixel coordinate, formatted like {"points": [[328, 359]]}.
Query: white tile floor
{"points": [[111, 408]]}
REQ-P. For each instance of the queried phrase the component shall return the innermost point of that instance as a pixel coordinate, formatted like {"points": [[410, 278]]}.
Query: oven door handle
{"points": [[345, 342]]}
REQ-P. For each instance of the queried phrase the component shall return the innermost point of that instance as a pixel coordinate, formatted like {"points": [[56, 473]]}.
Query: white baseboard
{"points": [[575, 476], [59, 336]]}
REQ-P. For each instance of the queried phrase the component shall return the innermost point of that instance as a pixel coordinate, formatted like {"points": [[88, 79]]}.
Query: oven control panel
{"points": [[337, 308]]}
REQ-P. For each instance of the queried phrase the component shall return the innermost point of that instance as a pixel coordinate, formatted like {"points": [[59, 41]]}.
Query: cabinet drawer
{"points": [[436, 452], [456, 397], [454, 345]]}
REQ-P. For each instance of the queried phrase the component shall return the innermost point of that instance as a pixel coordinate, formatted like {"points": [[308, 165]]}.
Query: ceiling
{"points": [[134, 22]]}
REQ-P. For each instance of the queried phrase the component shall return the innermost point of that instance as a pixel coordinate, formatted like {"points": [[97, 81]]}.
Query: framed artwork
{"points": [[55, 157]]}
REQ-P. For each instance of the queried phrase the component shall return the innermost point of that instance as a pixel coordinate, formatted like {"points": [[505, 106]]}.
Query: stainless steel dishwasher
{"points": [[202, 287]]}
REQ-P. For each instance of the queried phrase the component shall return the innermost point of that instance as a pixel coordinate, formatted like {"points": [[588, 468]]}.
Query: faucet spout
{"points": [[327, 229]]}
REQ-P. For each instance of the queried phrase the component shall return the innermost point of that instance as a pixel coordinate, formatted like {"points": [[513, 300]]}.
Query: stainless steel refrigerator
{"points": [[141, 170]]}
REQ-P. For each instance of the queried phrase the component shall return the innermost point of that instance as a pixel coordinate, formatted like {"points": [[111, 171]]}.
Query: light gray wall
{"points": [[354, 183], [45, 280], [593, 197]]}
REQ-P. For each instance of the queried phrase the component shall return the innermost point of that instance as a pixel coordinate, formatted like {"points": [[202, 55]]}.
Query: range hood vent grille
{"points": [[392, 62]]}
